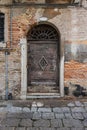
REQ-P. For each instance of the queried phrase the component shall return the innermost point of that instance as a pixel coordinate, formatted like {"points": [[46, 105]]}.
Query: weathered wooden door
{"points": [[43, 66]]}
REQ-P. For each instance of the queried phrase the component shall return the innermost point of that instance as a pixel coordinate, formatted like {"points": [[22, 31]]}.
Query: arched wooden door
{"points": [[43, 59]]}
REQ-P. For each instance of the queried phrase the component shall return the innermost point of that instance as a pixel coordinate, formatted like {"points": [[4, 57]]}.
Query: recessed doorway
{"points": [[43, 59]]}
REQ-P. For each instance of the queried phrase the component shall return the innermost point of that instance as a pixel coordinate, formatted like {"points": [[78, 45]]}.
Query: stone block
{"points": [[33, 109], [68, 115], [84, 115], [7, 128], [77, 128], [85, 103], [65, 109], [63, 128], [20, 128], [57, 109], [78, 116], [11, 122], [44, 109], [26, 109], [32, 128], [25, 115], [78, 104], [26, 122], [85, 122], [72, 123], [49, 115], [42, 123], [56, 123], [78, 109], [15, 110], [41, 128], [59, 115], [36, 115]]}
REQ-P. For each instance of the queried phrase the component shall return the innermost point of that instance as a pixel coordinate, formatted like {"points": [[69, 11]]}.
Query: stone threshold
{"points": [[43, 95]]}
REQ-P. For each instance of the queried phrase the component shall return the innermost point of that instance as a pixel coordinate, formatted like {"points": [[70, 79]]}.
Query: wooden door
{"points": [[43, 59]]}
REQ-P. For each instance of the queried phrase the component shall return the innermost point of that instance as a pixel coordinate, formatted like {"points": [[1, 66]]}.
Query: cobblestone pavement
{"points": [[72, 116]]}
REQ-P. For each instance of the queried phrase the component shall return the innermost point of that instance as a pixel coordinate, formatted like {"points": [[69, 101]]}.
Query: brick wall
{"points": [[71, 22]]}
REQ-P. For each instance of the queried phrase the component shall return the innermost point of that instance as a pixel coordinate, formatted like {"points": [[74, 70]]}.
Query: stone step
{"points": [[43, 89]]}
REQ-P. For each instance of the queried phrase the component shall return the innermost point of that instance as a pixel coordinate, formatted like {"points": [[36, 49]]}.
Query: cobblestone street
{"points": [[37, 116]]}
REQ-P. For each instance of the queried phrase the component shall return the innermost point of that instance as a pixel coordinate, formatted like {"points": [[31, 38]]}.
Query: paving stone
{"points": [[41, 128], [78, 104], [42, 123], [70, 104], [15, 110], [24, 115], [84, 115], [3, 110], [7, 128], [56, 123], [33, 109], [85, 104], [26, 122], [36, 115], [44, 109], [77, 128], [2, 116], [26, 109], [59, 115], [57, 109], [49, 115], [78, 116], [63, 128], [65, 109], [72, 123], [68, 115], [78, 109], [33, 128], [85, 128], [20, 128], [85, 122], [86, 109], [11, 122]]}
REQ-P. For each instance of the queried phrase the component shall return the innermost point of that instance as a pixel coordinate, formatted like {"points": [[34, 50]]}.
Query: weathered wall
{"points": [[71, 22]]}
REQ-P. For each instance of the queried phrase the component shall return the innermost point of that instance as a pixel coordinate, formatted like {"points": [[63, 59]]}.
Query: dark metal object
{"points": [[80, 91], [43, 32], [10, 96], [66, 90]]}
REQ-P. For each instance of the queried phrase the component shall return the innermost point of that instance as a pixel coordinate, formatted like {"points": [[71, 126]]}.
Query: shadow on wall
{"points": [[75, 89]]}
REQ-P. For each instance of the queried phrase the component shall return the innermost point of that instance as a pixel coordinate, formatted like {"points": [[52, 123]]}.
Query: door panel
{"points": [[42, 64]]}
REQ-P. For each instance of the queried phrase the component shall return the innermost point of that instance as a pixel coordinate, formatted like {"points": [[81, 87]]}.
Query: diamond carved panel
{"points": [[43, 63]]}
